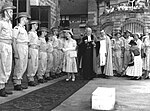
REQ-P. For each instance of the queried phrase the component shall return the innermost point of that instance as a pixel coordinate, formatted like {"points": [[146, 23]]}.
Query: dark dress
{"points": [[88, 53]]}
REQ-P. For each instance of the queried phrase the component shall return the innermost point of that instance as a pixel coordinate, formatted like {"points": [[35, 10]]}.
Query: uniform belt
{"points": [[49, 51], [34, 46], [43, 51], [6, 41], [24, 43]]}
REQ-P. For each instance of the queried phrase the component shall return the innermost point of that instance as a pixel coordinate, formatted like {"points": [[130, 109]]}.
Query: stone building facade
{"points": [[50, 7], [125, 15]]}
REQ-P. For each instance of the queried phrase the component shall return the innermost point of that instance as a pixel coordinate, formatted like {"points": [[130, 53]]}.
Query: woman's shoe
{"points": [[68, 78], [73, 79]]}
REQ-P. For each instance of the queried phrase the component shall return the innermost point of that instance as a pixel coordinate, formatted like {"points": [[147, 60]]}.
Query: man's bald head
{"points": [[88, 31]]}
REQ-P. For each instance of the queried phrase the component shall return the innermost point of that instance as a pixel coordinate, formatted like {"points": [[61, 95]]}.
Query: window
{"points": [[21, 6], [41, 13], [132, 3]]}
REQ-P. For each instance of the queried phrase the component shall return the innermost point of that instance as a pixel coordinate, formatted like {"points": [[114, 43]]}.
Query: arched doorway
{"points": [[133, 25], [107, 27]]}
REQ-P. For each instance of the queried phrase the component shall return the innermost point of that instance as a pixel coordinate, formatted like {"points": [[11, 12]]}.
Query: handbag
{"points": [[73, 53], [143, 54], [136, 51]]}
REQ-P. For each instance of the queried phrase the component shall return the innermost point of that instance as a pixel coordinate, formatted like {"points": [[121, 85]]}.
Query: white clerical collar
{"points": [[89, 38]]}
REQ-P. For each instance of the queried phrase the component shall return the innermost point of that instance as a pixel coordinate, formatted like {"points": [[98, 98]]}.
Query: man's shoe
{"points": [[3, 93], [18, 88], [8, 92], [32, 83], [24, 87], [41, 81], [48, 78]]}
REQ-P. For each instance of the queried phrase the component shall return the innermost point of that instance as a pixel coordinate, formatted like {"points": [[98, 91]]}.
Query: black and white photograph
{"points": [[74, 55]]}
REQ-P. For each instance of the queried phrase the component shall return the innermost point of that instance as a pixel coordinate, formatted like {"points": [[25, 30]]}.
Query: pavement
{"points": [[131, 95]]}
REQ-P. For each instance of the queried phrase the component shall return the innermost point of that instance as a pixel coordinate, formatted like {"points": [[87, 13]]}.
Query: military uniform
{"points": [[21, 36], [5, 50], [43, 58], [34, 54]]}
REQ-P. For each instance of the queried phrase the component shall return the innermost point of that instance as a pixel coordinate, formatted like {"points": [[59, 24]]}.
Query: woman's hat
{"points": [[23, 14], [132, 42], [44, 29], [35, 22]]}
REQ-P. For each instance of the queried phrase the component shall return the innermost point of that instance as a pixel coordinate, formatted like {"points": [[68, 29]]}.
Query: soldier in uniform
{"points": [[42, 55], [5, 47], [20, 43], [33, 51]]}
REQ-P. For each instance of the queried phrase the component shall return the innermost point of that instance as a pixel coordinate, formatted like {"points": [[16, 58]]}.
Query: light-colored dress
{"points": [[136, 70], [69, 62], [117, 54], [147, 59]]}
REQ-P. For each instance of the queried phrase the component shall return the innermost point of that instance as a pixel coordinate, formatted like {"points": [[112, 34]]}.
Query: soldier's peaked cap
{"points": [[44, 29], [23, 14], [7, 6], [35, 22]]}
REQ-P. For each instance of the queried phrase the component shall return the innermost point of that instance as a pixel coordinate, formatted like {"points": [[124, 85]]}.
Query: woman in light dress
{"points": [[136, 72], [117, 54], [69, 62], [146, 65]]}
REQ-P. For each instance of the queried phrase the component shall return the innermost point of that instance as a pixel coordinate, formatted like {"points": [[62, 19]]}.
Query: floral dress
{"points": [[69, 62]]}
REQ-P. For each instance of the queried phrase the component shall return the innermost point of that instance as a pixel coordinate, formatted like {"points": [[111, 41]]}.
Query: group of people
{"points": [[123, 54], [46, 53], [40, 52]]}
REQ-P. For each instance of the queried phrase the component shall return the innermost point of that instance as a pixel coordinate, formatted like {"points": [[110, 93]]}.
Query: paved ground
{"points": [[131, 95]]}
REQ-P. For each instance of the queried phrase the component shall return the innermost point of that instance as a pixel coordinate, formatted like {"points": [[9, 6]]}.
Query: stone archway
{"points": [[108, 27], [133, 25]]}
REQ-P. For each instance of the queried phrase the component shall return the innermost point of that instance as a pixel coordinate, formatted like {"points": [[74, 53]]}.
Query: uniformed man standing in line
{"points": [[20, 43], [5, 47], [34, 53], [42, 55]]}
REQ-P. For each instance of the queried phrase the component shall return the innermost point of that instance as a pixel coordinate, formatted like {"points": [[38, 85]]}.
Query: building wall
{"points": [[92, 13], [119, 18], [55, 13]]}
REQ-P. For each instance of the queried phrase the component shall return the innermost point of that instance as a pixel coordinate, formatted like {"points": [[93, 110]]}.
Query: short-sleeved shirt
{"points": [[20, 33], [6, 29], [49, 46], [43, 44], [33, 38]]}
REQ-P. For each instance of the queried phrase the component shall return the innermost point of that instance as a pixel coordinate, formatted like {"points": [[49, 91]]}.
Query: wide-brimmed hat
{"points": [[43, 29], [7, 6], [54, 28], [68, 31], [23, 14], [132, 42], [34, 22]]}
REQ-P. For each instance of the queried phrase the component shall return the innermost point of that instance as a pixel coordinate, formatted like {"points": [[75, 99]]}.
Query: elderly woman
{"points": [[70, 54], [117, 53]]}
